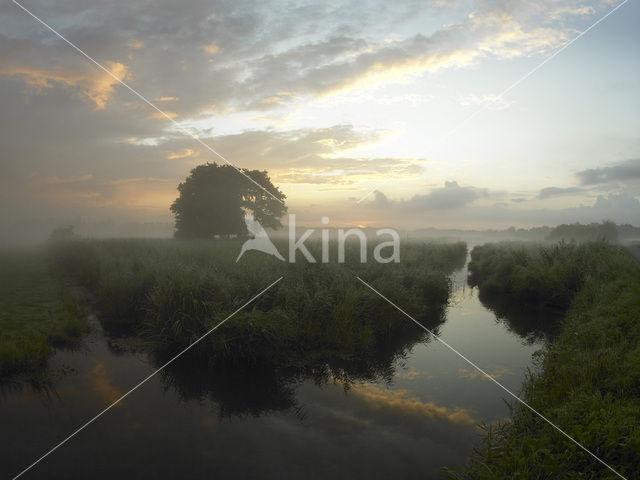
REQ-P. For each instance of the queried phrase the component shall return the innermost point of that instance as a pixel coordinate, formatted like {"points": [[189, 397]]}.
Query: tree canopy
{"points": [[214, 199]]}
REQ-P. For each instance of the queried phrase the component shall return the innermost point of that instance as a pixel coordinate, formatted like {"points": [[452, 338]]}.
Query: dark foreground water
{"points": [[262, 424]]}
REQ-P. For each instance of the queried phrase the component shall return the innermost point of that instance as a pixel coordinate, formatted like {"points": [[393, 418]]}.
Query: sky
{"points": [[446, 113]]}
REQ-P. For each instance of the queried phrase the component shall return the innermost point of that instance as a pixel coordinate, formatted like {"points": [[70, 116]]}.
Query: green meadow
{"points": [[38, 311]]}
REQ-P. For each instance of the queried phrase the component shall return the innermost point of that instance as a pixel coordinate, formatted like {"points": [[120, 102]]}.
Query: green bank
{"points": [[588, 381]]}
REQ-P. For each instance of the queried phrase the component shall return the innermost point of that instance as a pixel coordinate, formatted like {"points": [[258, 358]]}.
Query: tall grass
{"points": [[589, 378], [37, 312], [540, 275], [172, 292]]}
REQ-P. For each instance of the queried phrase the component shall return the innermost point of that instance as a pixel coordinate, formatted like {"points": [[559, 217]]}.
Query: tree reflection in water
{"points": [[268, 386]]}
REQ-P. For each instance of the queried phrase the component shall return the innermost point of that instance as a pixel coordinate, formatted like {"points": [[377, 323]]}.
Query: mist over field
{"points": [[313, 239]]}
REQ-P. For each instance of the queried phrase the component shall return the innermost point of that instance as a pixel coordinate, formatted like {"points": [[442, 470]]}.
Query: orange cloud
{"points": [[101, 384], [211, 49], [186, 153], [401, 402], [135, 44], [161, 116], [86, 190], [95, 84]]}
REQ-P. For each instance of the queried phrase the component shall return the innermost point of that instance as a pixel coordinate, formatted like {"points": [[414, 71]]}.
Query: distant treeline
{"points": [[578, 232], [594, 231]]}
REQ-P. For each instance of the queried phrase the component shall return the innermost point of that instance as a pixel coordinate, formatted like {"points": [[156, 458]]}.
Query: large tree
{"points": [[214, 198]]}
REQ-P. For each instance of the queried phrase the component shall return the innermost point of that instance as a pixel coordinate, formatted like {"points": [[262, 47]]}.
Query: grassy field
{"points": [[589, 378], [36, 312], [171, 292]]}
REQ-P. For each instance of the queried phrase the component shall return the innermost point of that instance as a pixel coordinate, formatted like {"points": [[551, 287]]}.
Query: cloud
{"points": [[211, 49], [97, 87], [129, 178], [186, 153], [341, 63], [451, 196], [313, 155], [557, 191], [569, 11], [620, 208], [348, 171], [87, 191], [102, 385], [379, 201], [617, 204], [509, 34], [266, 55], [621, 172], [135, 44], [40, 67], [400, 403], [70, 122], [305, 146]]}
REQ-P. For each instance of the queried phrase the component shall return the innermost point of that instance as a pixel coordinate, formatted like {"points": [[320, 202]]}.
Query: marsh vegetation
{"points": [[320, 325], [589, 377], [170, 293]]}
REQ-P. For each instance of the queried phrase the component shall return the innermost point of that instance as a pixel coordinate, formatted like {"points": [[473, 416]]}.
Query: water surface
{"points": [[410, 417]]}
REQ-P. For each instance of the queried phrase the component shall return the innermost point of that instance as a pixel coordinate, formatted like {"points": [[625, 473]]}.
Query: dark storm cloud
{"points": [[621, 172]]}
